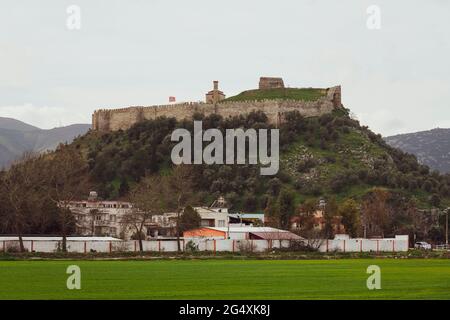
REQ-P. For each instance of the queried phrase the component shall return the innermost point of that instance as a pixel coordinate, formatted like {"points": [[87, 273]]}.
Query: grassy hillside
{"points": [[320, 157], [306, 94]]}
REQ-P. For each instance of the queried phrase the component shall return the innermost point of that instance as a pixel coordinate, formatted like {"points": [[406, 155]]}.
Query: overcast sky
{"points": [[396, 79]]}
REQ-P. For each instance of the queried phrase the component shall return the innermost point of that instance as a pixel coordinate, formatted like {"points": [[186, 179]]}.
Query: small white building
{"points": [[215, 215], [212, 217]]}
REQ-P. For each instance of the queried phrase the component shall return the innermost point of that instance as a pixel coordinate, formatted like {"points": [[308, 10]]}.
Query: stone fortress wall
{"points": [[106, 120]]}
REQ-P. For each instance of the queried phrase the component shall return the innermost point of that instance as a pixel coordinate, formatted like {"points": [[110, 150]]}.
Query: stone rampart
{"points": [[121, 119]]}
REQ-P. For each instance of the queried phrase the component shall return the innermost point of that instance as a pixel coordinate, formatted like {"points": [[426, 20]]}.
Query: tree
{"points": [[181, 194], [272, 210], [148, 198], [274, 186], [250, 202], [124, 188], [64, 177], [349, 212], [21, 186], [306, 214], [435, 200], [287, 208], [375, 212], [190, 219], [331, 211]]}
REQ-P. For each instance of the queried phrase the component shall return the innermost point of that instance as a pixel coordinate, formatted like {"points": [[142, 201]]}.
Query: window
{"points": [[112, 217], [221, 223], [204, 223]]}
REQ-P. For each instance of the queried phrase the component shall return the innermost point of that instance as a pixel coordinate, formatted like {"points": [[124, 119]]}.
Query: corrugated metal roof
{"points": [[246, 215], [277, 235], [247, 229]]}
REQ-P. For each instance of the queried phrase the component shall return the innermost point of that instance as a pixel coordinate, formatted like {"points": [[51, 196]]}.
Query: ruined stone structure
{"points": [[215, 95], [270, 83], [121, 119]]}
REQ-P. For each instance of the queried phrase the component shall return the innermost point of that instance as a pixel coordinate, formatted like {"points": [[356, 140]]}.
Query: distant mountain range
{"points": [[431, 148], [17, 137]]}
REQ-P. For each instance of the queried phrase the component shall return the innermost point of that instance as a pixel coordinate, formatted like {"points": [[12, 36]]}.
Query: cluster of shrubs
{"points": [[119, 159]]}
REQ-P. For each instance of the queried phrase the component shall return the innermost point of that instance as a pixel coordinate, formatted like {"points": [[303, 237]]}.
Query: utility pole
{"points": [[446, 226], [228, 227]]}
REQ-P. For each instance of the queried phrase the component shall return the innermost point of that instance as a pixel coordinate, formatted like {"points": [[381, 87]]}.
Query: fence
{"points": [[397, 244], [442, 247]]}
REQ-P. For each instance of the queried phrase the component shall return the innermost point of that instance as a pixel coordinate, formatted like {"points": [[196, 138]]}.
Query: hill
{"points": [[431, 148], [329, 160], [17, 137], [13, 124], [327, 156]]}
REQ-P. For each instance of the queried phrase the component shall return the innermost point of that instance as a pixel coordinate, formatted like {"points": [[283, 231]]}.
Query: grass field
{"points": [[227, 279]]}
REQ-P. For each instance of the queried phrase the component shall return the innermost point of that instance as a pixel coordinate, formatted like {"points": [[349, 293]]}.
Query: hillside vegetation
{"points": [[329, 156], [305, 94], [368, 185]]}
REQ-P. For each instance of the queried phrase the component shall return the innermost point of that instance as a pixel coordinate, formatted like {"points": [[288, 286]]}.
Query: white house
{"points": [[95, 217]]}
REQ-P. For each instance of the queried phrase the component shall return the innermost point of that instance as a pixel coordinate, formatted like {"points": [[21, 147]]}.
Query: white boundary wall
{"points": [[397, 244]]}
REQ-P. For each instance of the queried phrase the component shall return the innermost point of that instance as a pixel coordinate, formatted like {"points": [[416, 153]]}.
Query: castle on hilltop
{"points": [[106, 120]]}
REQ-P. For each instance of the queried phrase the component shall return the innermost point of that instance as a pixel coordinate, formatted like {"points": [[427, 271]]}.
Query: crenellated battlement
{"points": [[123, 118]]}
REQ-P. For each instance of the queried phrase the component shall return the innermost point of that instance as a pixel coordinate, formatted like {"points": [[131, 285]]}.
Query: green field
{"points": [[227, 279]]}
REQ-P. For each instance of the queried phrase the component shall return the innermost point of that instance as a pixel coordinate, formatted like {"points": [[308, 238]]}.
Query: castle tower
{"points": [[215, 95], [266, 83]]}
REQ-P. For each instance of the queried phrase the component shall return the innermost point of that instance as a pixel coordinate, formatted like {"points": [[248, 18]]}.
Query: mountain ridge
{"points": [[14, 124], [431, 147], [17, 137]]}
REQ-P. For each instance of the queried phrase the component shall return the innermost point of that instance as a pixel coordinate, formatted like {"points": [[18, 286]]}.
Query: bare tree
{"points": [[375, 212], [180, 185], [148, 199], [66, 179], [21, 190], [314, 239]]}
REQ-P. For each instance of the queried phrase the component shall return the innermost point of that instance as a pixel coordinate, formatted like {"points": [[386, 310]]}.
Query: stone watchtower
{"points": [[215, 95], [270, 83]]}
